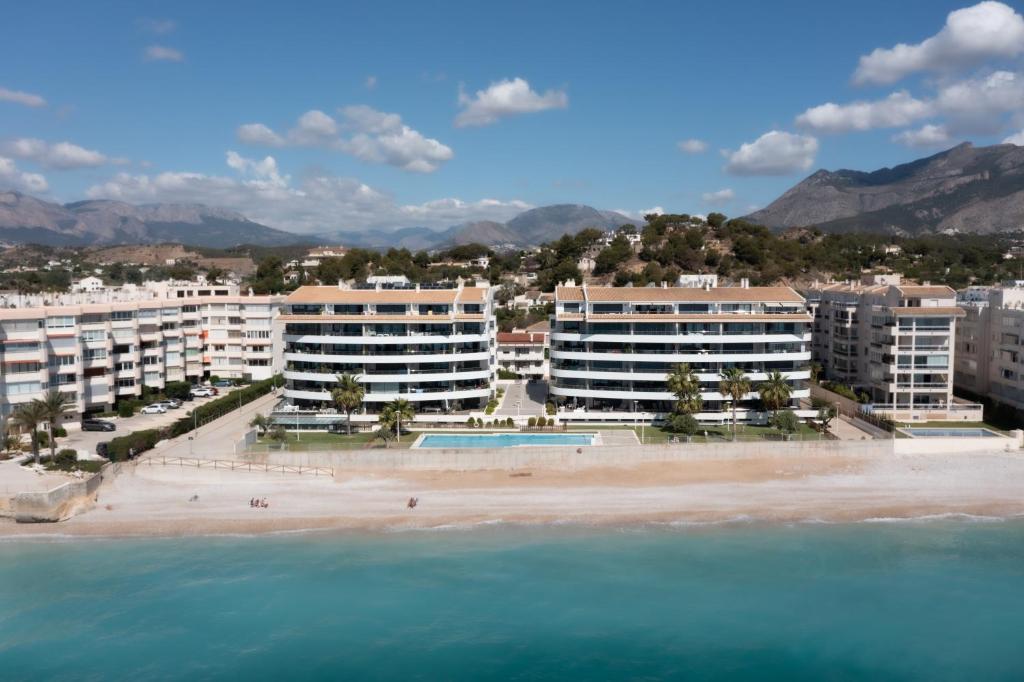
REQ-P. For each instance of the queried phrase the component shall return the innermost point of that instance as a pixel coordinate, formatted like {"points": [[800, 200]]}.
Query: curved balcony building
{"points": [[613, 347], [431, 346]]}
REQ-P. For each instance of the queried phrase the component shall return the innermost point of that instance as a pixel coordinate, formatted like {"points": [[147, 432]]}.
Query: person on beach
{"points": [[413, 501]]}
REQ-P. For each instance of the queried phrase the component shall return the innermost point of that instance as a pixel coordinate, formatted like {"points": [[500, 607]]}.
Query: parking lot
{"points": [[87, 440]]}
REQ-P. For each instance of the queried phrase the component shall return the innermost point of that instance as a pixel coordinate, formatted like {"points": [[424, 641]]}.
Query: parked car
{"points": [[170, 404], [155, 408], [101, 448], [202, 392], [224, 384], [98, 425]]}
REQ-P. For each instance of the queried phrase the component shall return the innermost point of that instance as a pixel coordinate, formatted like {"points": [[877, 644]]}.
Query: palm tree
{"points": [[28, 417], [735, 384], [54, 404], [394, 412], [684, 384], [775, 392], [348, 396], [262, 423]]}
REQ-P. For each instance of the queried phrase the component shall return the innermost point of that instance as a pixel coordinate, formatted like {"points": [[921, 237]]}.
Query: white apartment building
{"points": [[894, 341], [524, 353], [612, 347], [990, 344], [98, 347], [434, 347]]}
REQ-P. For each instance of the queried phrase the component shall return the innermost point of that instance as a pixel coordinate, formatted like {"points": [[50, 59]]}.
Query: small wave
{"points": [[947, 516]]}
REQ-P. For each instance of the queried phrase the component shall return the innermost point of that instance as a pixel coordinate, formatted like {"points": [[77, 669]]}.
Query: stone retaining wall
{"points": [[57, 504]]}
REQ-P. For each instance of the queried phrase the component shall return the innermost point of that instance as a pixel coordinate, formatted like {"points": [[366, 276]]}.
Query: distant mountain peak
{"points": [[963, 188]]}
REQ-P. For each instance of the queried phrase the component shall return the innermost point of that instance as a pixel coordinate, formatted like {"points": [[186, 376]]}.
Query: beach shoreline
{"points": [[156, 500]]}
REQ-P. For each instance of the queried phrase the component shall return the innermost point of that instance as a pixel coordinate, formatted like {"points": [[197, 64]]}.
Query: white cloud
{"points": [[13, 178], [924, 137], [161, 53], [371, 82], [318, 203], [978, 104], [505, 98], [19, 97], [718, 198], [1016, 138], [774, 153], [896, 110], [986, 30], [368, 134], [259, 134], [692, 146], [59, 156]]}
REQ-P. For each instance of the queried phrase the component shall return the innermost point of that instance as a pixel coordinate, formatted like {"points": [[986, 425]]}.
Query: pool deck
{"points": [[950, 432]]}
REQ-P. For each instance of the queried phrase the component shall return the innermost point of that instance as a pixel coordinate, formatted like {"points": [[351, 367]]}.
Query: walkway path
{"points": [[525, 399]]}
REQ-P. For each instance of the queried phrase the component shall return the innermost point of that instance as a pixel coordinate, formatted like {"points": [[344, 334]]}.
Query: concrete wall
{"points": [[565, 457], [57, 504]]}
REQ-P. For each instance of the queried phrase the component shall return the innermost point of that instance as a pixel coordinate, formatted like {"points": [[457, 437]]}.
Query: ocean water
{"points": [[935, 600]]}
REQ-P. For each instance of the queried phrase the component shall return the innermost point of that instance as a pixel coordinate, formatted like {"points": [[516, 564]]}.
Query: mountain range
{"points": [[27, 219], [963, 189]]}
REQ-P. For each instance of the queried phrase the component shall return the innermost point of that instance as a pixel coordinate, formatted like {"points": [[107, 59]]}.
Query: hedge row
{"points": [[223, 405], [121, 448]]}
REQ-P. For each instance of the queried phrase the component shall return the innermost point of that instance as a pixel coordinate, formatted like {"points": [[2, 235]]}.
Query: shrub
{"points": [[509, 422], [118, 449], [532, 421], [506, 374], [541, 421], [550, 408], [470, 422], [786, 421], [66, 460], [59, 432], [841, 389], [682, 423], [125, 409], [479, 422], [492, 405], [177, 389]]}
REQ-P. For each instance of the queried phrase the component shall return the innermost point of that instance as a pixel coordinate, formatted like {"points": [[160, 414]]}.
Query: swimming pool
{"points": [[502, 440], [918, 432]]}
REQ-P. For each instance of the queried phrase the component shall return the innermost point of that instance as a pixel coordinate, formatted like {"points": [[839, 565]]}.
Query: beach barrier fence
{"points": [[233, 465]]}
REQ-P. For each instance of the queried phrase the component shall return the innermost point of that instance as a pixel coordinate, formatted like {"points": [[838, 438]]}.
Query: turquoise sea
{"points": [[930, 600]]}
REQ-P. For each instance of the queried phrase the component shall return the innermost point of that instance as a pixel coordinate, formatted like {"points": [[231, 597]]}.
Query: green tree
{"points": [[261, 423], [348, 396], [734, 385], [826, 413], [396, 411], [684, 384], [9, 442], [774, 391], [682, 423], [385, 435], [786, 421], [53, 406], [28, 417]]}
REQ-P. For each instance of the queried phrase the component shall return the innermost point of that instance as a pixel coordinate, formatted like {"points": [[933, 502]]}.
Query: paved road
{"points": [[530, 398]]}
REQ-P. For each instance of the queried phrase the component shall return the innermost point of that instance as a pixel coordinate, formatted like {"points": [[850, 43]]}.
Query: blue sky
{"points": [[379, 115]]}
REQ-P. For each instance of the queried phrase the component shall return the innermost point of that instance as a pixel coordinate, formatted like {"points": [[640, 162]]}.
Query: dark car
{"points": [[98, 425], [102, 447]]}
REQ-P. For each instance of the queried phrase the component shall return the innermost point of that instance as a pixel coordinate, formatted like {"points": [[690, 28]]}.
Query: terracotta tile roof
{"points": [[542, 327], [683, 294], [520, 338]]}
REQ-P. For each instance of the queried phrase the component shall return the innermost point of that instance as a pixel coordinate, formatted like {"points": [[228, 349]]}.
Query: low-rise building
{"points": [[524, 353], [612, 348]]}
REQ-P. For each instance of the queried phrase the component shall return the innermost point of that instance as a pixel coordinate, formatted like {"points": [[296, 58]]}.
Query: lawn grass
{"points": [[322, 440], [656, 434], [952, 425]]}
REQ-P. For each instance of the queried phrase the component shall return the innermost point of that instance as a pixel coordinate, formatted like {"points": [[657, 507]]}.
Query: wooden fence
{"points": [[231, 465]]}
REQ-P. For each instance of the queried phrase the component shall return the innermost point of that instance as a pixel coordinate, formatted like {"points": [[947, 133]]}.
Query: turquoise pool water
{"points": [[950, 433], [503, 440]]}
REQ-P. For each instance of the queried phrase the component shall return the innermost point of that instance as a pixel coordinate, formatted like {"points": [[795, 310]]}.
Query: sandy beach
{"points": [[155, 499]]}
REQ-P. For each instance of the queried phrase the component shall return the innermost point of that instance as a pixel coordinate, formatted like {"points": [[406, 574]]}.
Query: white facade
{"points": [[990, 346], [524, 353], [100, 352], [612, 348], [892, 340], [432, 347]]}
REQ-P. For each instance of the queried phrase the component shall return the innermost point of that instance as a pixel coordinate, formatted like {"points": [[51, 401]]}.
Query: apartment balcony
{"points": [[675, 357], [712, 378], [383, 339], [413, 395], [690, 337], [627, 394], [402, 358], [370, 378]]}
